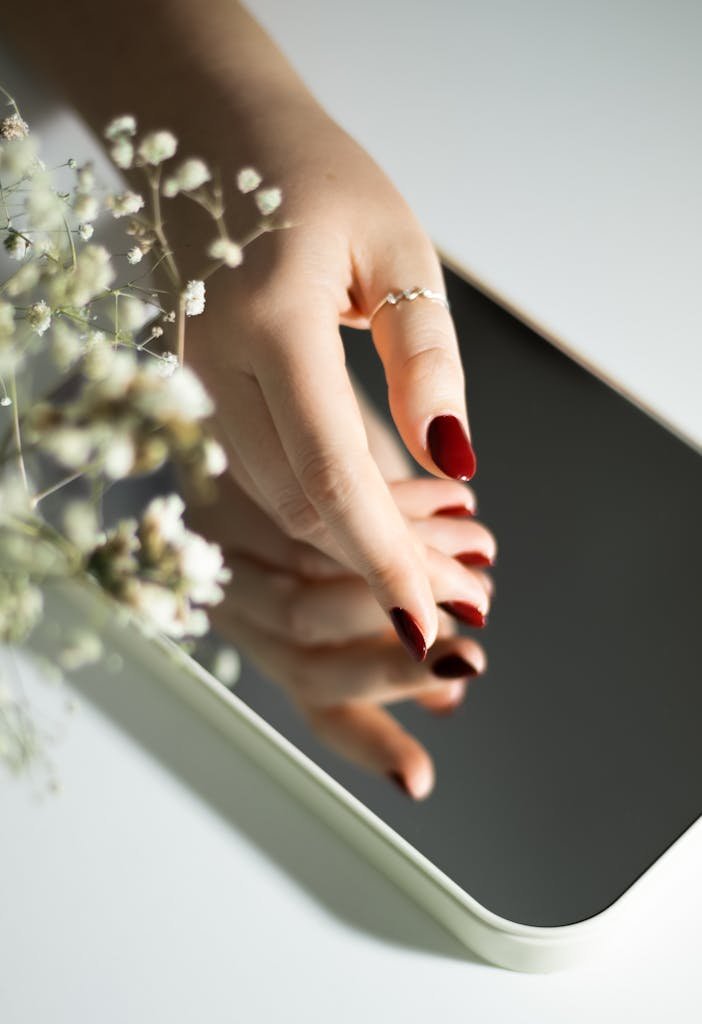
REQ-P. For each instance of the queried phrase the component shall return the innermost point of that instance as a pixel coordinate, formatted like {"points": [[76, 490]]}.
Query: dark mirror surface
{"points": [[576, 761]]}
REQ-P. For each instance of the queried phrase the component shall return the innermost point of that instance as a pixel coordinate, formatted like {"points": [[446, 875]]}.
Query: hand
{"points": [[270, 353], [314, 628]]}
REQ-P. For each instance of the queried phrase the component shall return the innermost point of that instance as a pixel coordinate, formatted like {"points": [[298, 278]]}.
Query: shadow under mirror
{"points": [[575, 761]]}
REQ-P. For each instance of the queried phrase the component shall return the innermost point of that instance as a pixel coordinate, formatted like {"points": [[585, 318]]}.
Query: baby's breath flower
{"points": [[163, 517], [168, 364], [66, 345], [268, 200], [23, 280], [194, 296], [39, 317], [135, 255], [91, 275], [224, 249], [192, 174], [122, 153], [119, 456], [124, 203], [71, 446], [86, 231], [86, 208], [45, 209], [215, 458], [226, 666], [125, 124], [248, 179], [18, 158], [81, 525], [16, 246], [13, 127], [156, 147]]}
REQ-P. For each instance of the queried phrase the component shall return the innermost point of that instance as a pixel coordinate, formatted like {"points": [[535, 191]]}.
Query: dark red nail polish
{"points": [[399, 781], [409, 633], [453, 666], [450, 448], [457, 511], [467, 613], [473, 558]]}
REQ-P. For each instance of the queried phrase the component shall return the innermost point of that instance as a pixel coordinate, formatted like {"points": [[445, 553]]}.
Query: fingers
{"points": [[370, 737], [417, 343], [300, 366], [374, 669], [310, 613], [422, 497]]}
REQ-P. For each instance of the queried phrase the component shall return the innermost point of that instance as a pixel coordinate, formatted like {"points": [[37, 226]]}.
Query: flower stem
{"points": [[17, 432]]}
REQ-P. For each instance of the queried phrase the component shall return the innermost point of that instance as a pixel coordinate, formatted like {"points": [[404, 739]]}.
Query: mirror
{"points": [[575, 761]]}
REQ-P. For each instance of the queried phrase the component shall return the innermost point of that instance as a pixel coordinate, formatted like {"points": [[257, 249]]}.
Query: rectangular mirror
{"points": [[575, 762]]}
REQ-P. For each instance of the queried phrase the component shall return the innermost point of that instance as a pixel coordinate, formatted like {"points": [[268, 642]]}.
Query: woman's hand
{"points": [[269, 350], [268, 346], [315, 629]]}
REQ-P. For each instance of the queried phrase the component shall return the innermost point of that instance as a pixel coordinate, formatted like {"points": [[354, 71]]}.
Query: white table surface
{"points": [[552, 149], [165, 885]]}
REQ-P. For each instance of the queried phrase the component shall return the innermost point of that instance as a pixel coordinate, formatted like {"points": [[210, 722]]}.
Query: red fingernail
{"points": [[399, 781], [450, 448], [458, 511], [453, 666], [410, 634], [475, 558], [467, 613]]}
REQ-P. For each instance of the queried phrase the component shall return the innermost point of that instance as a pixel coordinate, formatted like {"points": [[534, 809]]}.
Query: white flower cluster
{"points": [[161, 569], [191, 175], [129, 418], [194, 298]]}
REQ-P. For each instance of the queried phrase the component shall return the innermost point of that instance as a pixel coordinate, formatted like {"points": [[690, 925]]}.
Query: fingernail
{"points": [[475, 558], [458, 511], [453, 666], [409, 633], [399, 781], [450, 448], [467, 613]]}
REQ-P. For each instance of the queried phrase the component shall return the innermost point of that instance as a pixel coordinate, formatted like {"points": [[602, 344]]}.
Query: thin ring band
{"points": [[409, 294]]}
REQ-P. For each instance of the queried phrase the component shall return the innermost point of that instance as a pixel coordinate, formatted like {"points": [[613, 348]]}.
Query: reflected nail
{"points": [[457, 511], [450, 448], [473, 558], [467, 613], [399, 782], [453, 666], [410, 634]]}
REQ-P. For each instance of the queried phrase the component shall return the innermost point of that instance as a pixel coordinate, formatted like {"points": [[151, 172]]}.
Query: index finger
{"points": [[299, 363]]}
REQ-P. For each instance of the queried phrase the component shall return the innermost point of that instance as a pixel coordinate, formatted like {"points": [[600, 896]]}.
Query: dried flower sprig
{"points": [[119, 408]]}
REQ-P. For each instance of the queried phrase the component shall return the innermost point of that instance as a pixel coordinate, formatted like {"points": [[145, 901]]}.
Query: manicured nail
{"points": [[457, 511], [450, 448], [453, 666], [474, 558], [467, 613], [410, 634], [399, 781]]}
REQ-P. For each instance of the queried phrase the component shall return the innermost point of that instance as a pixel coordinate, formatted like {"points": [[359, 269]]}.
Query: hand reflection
{"points": [[313, 626]]}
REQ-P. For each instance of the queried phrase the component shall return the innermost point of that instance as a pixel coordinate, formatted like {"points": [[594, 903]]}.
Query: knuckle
{"points": [[328, 483], [297, 516], [433, 360]]}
